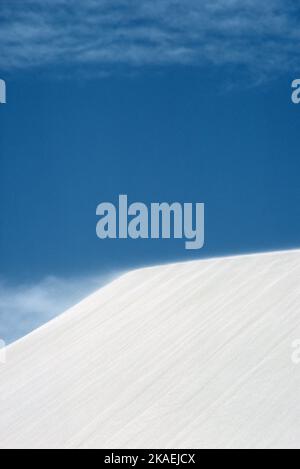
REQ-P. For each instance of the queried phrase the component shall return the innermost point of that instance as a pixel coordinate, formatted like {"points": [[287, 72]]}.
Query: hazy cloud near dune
{"points": [[27, 306], [261, 36]]}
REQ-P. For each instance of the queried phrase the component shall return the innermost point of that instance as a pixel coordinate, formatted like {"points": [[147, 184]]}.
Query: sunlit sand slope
{"points": [[194, 355]]}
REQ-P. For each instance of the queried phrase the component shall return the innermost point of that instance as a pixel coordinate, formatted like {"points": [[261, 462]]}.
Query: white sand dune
{"points": [[194, 355]]}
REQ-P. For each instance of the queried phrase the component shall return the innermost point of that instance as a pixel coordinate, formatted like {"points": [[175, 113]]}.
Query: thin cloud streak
{"points": [[25, 307], [261, 36]]}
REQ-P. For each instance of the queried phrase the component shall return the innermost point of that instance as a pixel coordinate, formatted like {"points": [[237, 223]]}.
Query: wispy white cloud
{"points": [[27, 306], [262, 36]]}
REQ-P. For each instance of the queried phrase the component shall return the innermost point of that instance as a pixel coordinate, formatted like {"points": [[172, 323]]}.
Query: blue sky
{"points": [[156, 100]]}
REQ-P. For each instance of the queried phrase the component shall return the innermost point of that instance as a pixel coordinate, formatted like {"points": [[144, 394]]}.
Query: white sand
{"points": [[194, 355]]}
